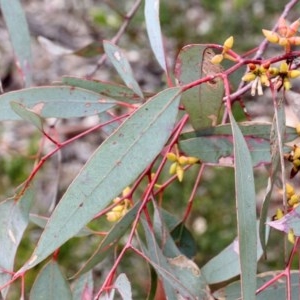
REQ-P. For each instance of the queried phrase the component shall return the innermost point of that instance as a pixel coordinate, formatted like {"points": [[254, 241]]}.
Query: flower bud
{"points": [[292, 29], [173, 167], [283, 68], [295, 40], [179, 172], [286, 83], [113, 216], [283, 41], [192, 160], [217, 59], [272, 37], [248, 77], [289, 190], [228, 43], [183, 160], [293, 200], [279, 214], [294, 73], [171, 156], [282, 27]]}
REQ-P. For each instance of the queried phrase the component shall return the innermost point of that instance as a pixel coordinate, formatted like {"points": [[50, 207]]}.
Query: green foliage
{"points": [[196, 122]]}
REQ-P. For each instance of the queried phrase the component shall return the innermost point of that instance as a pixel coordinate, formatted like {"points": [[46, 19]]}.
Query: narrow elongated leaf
{"points": [[154, 31], [113, 166], [108, 89], [246, 212], [212, 149], [122, 284], [120, 62], [277, 138], [163, 236], [181, 276], [28, 115], [259, 130], [110, 240], [83, 287], [226, 264], [204, 103], [42, 222], [13, 222], [50, 284], [59, 102], [19, 34]]}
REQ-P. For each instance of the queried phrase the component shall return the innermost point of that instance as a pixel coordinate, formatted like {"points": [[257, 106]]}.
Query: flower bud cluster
{"points": [[226, 47], [285, 35], [178, 162], [261, 74], [122, 207]]}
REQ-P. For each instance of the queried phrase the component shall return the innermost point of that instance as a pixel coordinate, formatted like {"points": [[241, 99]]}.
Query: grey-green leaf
{"points": [[246, 212], [83, 287], [107, 244], [28, 115], [19, 34], [55, 101], [181, 276], [204, 102], [50, 284], [14, 217], [226, 264], [120, 62], [122, 284], [113, 166], [154, 31], [108, 89]]}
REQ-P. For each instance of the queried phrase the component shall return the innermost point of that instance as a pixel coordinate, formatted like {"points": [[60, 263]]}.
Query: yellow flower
{"points": [[258, 74], [178, 162], [228, 44], [284, 75], [285, 35]]}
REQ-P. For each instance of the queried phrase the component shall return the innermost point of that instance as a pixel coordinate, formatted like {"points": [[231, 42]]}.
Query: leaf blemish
{"points": [[117, 55]]}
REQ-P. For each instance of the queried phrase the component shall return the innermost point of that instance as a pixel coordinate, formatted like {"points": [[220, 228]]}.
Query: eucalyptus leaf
{"points": [[226, 264], [246, 212], [122, 284], [112, 90], [28, 115], [14, 217], [154, 31], [110, 169], [111, 239], [51, 101], [204, 102], [83, 287], [50, 284], [120, 62], [17, 26]]}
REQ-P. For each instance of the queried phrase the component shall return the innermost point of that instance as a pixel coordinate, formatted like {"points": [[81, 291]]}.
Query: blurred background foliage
{"points": [[213, 220]]}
